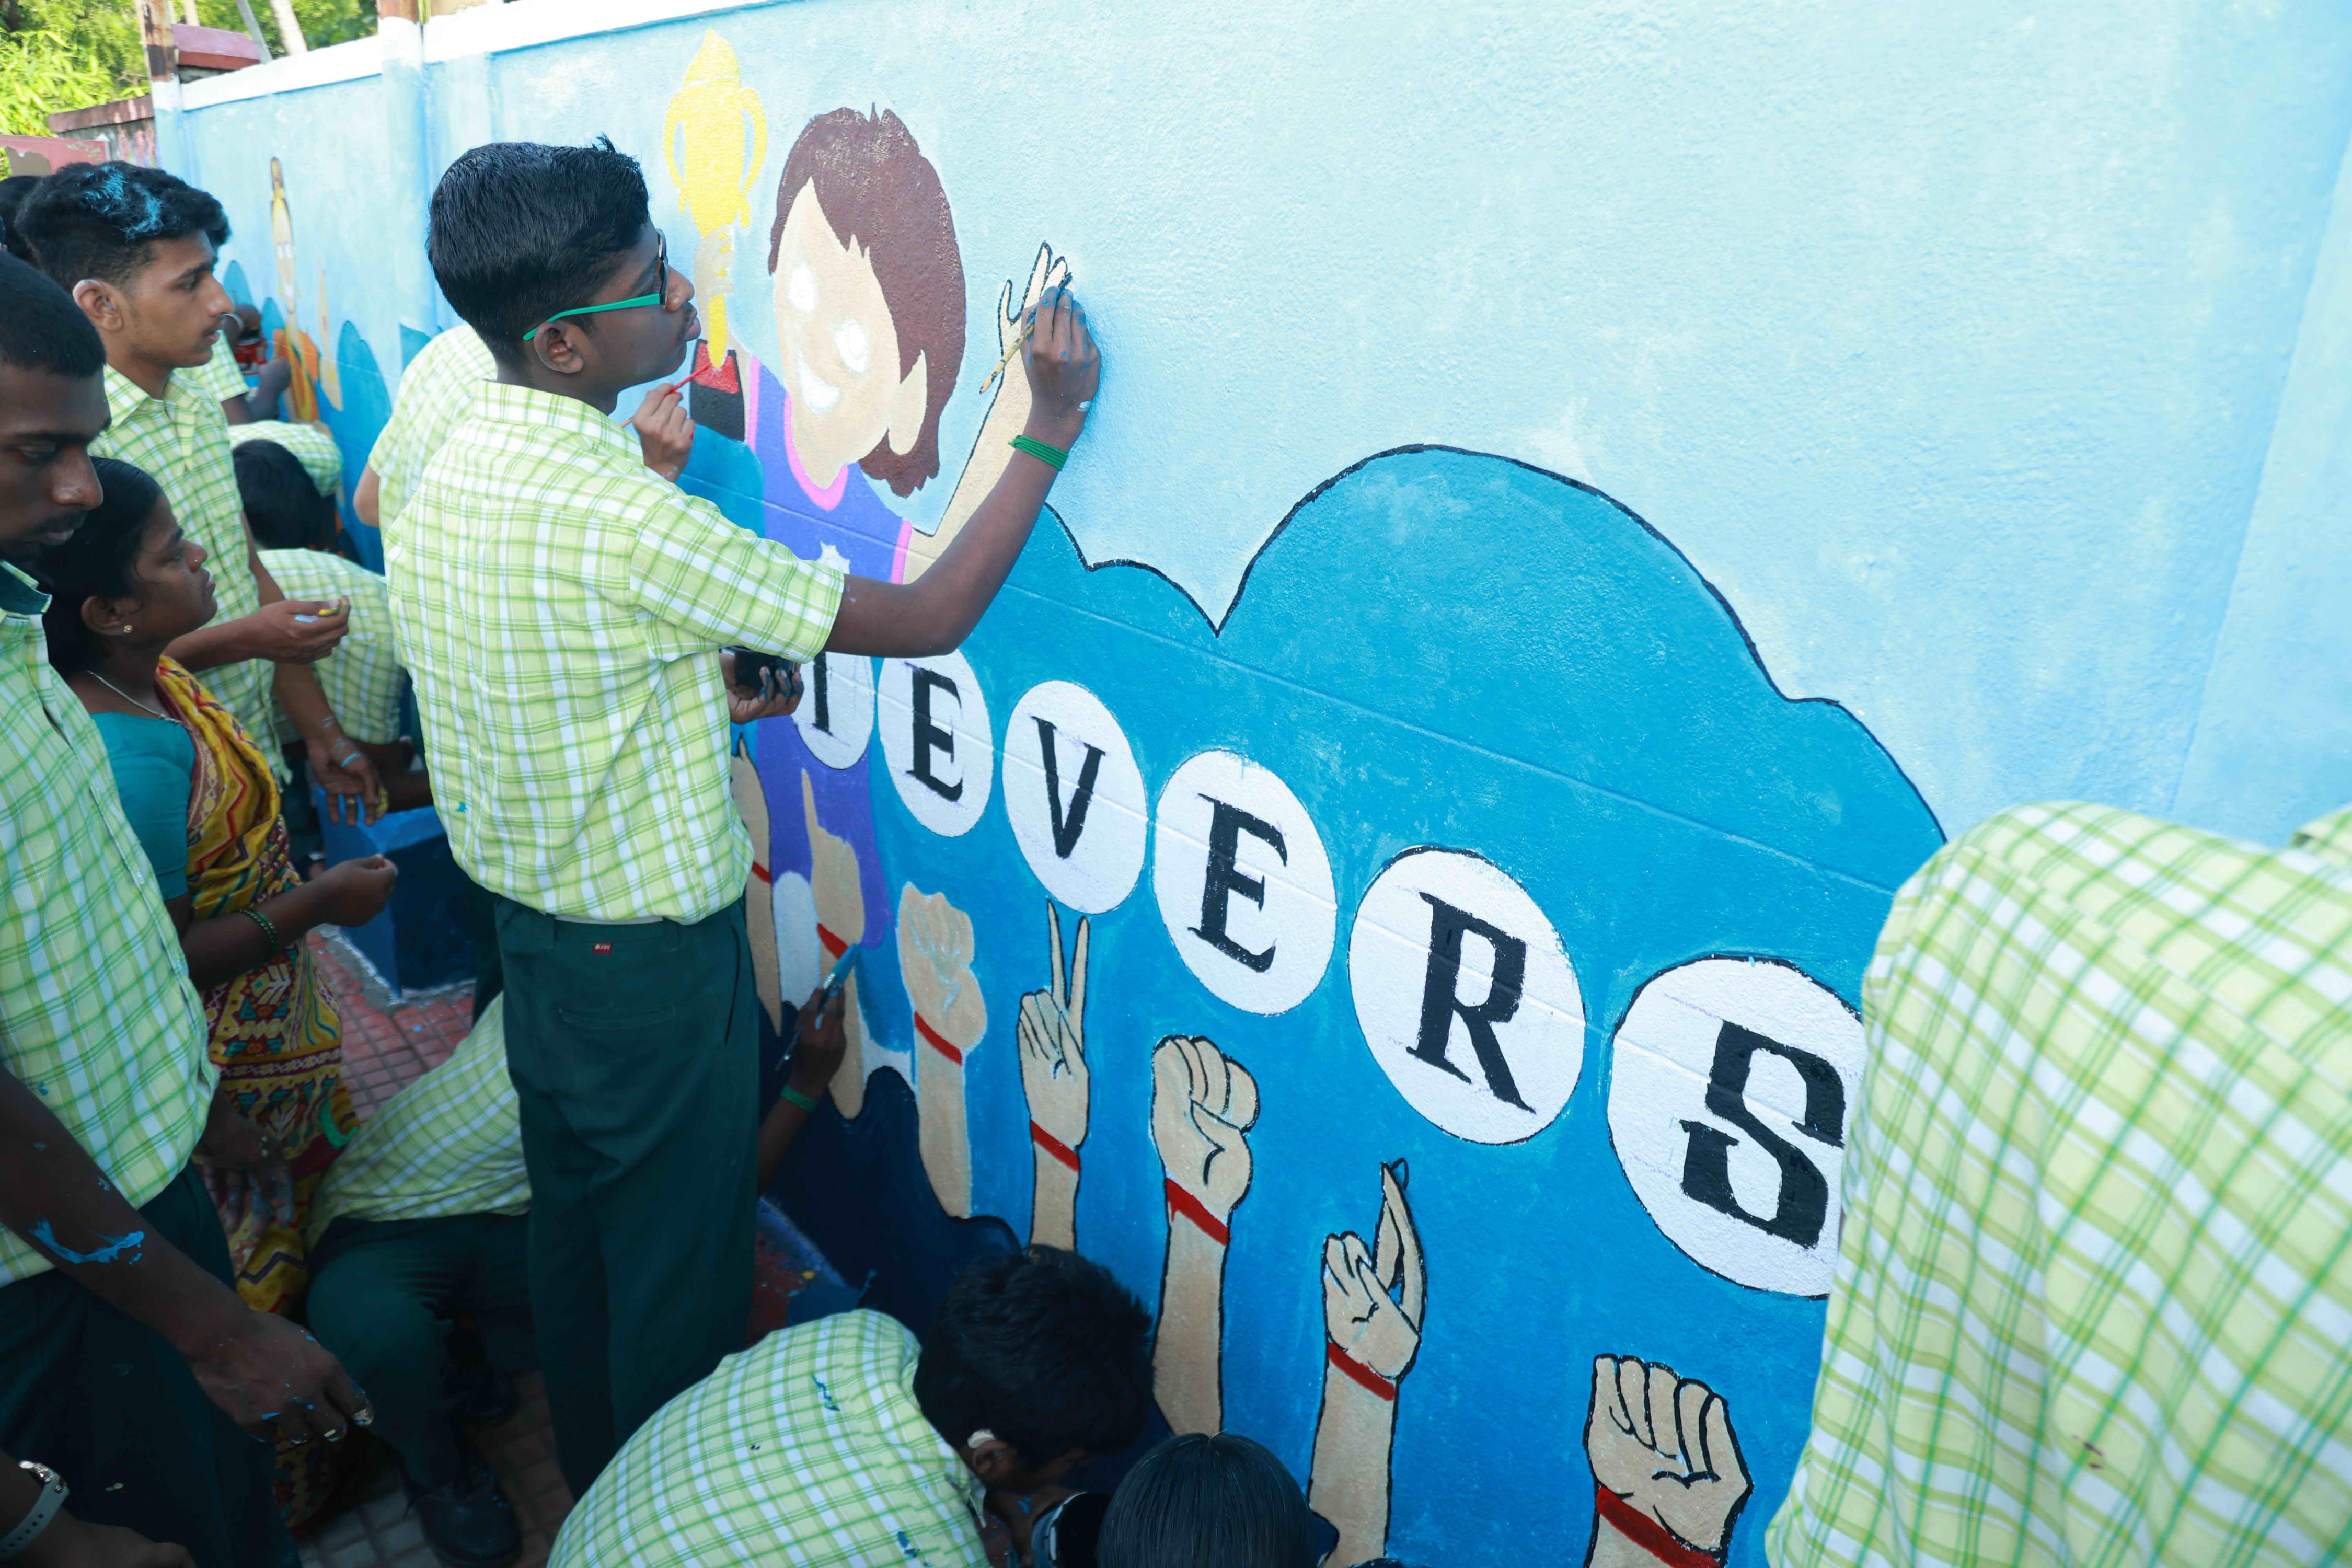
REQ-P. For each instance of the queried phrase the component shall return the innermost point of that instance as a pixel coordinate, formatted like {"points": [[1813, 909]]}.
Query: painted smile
{"points": [[819, 395]]}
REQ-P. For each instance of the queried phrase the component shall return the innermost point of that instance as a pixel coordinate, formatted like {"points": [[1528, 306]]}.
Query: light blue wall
{"points": [[1977, 369]]}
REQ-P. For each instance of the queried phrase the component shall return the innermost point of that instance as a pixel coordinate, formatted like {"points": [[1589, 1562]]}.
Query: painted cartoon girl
{"points": [[869, 308], [314, 373]]}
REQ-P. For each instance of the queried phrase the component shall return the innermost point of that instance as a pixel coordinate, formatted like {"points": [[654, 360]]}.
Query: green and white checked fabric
{"points": [[219, 374], [560, 606], [97, 1017], [311, 444], [361, 678], [181, 439], [436, 392], [2093, 1296], [2331, 836], [449, 1143], [808, 1449]]}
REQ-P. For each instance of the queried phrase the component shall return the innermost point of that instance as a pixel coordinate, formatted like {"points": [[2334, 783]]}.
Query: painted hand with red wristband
{"points": [[1373, 1300], [1203, 1102], [840, 926], [1668, 1480], [1052, 1034], [935, 952]]}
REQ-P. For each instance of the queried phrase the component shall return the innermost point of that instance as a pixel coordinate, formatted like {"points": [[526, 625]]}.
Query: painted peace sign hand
{"points": [[1203, 1101], [1052, 1034], [1379, 1331], [1665, 1445]]}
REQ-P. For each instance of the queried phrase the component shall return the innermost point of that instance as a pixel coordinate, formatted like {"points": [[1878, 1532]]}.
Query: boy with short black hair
{"points": [[136, 247], [563, 611], [839, 1443]]}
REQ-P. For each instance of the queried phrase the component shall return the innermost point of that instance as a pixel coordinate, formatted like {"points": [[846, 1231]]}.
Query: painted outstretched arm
{"points": [[1668, 1480], [840, 901], [935, 952], [992, 452], [1373, 1300], [934, 614], [261, 1369], [1202, 1104], [1052, 1036]]}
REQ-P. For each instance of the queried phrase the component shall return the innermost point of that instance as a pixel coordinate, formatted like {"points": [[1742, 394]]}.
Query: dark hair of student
{"points": [[97, 562], [1043, 1348], [13, 191], [1207, 1502], [102, 220], [520, 230], [42, 328], [282, 503], [876, 188]]}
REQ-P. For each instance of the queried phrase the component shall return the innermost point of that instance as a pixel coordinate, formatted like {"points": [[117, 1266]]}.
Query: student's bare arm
{"points": [[366, 495], [259, 1368], [937, 611]]}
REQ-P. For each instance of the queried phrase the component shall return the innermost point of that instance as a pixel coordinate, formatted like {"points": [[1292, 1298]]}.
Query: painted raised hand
{"points": [[935, 952], [1664, 1456], [1373, 1299], [1203, 1102], [1051, 1031], [840, 925], [1008, 412], [1378, 1331]]}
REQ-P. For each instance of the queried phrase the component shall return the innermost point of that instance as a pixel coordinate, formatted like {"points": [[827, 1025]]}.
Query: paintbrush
{"points": [[1028, 328], [709, 368]]}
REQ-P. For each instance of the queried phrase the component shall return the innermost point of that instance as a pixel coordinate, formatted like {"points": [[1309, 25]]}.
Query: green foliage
{"points": [[42, 72], [323, 22], [104, 31]]}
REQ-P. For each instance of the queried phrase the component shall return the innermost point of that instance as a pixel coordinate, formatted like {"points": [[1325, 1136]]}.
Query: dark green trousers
{"points": [[382, 1295], [110, 1406], [635, 1053]]}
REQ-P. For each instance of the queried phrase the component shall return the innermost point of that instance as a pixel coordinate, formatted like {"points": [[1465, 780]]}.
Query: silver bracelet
{"points": [[45, 1508]]}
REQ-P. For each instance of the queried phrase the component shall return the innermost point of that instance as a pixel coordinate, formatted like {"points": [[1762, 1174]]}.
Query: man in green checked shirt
{"points": [[136, 248], [2093, 1293], [125, 1353], [562, 611]]}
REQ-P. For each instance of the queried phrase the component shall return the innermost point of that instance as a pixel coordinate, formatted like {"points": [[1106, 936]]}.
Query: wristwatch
{"points": [[45, 1508]]}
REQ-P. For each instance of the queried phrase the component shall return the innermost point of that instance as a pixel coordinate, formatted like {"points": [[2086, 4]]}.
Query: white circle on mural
{"points": [[1465, 997], [1243, 883], [1731, 1084], [1074, 796], [936, 737], [836, 717]]}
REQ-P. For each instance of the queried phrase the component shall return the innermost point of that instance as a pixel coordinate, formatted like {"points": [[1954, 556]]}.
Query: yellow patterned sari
{"points": [[273, 1031]]}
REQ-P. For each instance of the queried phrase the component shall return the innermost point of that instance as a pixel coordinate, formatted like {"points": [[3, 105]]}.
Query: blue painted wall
{"points": [[1680, 454]]}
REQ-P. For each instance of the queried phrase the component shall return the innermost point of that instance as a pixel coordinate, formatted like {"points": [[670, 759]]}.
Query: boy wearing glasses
{"points": [[561, 610]]}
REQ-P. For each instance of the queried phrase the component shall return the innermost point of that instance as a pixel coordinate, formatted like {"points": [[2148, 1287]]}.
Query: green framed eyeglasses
{"points": [[660, 295]]}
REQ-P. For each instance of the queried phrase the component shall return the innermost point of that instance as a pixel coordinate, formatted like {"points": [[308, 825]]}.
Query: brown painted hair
{"points": [[876, 188]]}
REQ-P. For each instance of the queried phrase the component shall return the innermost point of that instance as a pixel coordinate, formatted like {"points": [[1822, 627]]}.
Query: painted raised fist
{"points": [[1664, 1445], [935, 950], [1203, 1101]]}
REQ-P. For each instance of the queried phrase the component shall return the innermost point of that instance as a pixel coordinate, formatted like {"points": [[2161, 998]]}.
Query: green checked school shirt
{"points": [[181, 439], [220, 375], [808, 1449], [361, 678], [97, 1017], [560, 607], [449, 1143], [436, 393], [2094, 1295]]}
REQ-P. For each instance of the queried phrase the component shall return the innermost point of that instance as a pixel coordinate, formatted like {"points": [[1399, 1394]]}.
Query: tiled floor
{"points": [[386, 1045]]}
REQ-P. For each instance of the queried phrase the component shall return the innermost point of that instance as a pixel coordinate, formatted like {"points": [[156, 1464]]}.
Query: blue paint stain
{"points": [[111, 1247], [907, 1545], [825, 1394]]}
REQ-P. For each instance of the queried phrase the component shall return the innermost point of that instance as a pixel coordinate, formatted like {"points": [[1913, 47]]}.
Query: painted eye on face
{"points": [[849, 338], [801, 287]]}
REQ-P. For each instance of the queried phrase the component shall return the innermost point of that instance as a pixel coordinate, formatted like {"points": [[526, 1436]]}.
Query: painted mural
{"points": [[1396, 919]]}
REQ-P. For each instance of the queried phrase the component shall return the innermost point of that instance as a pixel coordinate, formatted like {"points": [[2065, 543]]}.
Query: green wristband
{"points": [[1052, 457], [797, 1098]]}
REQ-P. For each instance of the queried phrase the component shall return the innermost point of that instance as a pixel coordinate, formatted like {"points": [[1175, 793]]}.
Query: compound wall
{"points": [[1580, 492]]}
